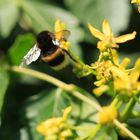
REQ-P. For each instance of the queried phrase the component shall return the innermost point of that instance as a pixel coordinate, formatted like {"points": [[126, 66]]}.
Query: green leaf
{"points": [[42, 17], [9, 15], [4, 81], [46, 104], [21, 46], [106, 133], [94, 11], [43, 106], [91, 114], [86, 116], [86, 121], [134, 130]]}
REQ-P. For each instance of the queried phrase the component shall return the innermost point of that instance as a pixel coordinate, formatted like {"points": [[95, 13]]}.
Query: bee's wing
{"points": [[32, 55], [64, 34]]}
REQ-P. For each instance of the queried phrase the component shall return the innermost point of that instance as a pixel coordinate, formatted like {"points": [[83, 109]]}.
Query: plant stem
{"points": [[119, 104], [82, 64], [128, 108], [137, 100], [115, 101], [43, 76], [86, 99], [123, 128], [135, 114], [76, 58], [67, 87]]}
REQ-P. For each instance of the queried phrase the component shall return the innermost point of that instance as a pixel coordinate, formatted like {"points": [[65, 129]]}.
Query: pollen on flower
{"points": [[103, 72], [107, 115]]}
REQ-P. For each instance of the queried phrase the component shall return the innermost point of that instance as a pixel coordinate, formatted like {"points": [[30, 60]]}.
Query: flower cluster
{"points": [[107, 67], [127, 82], [57, 127]]}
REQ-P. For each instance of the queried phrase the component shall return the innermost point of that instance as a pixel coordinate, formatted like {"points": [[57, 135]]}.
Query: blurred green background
{"points": [[24, 100]]}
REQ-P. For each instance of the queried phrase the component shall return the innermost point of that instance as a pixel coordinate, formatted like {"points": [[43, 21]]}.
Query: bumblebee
{"points": [[48, 48]]}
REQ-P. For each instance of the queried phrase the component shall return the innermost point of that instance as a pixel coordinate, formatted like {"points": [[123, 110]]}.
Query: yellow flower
{"points": [[109, 73], [59, 26], [103, 76], [135, 1], [107, 114], [61, 33], [50, 126], [107, 39], [126, 82], [65, 45], [124, 63], [55, 127], [100, 90]]}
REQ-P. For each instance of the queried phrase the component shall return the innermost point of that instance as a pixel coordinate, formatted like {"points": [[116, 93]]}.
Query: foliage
{"points": [[98, 94]]}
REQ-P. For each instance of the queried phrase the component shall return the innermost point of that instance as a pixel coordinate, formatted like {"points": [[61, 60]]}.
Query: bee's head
{"points": [[45, 40]]}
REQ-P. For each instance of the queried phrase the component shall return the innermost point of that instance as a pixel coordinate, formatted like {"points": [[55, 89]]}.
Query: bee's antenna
{"points": [[69, 55]]}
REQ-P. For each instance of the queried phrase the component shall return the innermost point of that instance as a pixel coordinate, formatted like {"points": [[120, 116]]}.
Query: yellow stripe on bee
{"points": [[50, 57]]}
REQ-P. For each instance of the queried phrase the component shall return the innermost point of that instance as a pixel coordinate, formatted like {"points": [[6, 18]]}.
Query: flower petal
{"points": [[135, 1], [106, 28], [65, 45], [119, 73], [139, 8], [100, 90], [95, 32], [137, 65], [124, 38], [135, 72], [134, 76], [124, 63], [66, 112], [107, 114], [59, 26]]}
